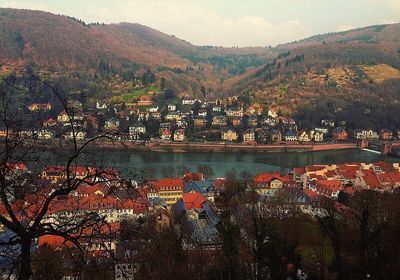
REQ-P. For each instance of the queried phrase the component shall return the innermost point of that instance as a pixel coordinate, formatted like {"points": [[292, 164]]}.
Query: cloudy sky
{"points": [[228, 22]]}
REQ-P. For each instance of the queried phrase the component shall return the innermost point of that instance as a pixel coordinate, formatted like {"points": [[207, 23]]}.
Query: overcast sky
{"points": [[228, 22]]}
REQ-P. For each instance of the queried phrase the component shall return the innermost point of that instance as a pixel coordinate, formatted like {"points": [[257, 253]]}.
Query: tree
{"points": [[26, 203], [162, 83], [148, 77], [207, 170]]}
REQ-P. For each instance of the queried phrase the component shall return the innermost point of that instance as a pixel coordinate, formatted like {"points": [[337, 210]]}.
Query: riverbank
{"points": [[220, 147]]}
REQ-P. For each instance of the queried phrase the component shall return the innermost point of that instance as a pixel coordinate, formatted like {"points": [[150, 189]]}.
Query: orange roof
{"points": [[313, 168], [170, 182], [268, 177], [51, 240], [310, 193], [370, 179], [298, 170], [332, 185], [193, 200]]}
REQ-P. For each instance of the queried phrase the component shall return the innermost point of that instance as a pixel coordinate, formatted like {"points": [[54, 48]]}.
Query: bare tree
{"points": [[27, 203]]}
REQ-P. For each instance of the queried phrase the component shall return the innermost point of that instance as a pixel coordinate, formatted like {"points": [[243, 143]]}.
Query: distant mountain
{"points": [[388, 33], [48, 39]]}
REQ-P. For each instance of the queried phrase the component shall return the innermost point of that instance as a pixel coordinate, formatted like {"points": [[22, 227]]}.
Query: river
{"points": [[220, 162]]}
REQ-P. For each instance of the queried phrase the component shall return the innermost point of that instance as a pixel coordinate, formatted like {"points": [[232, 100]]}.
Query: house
{"points": [[339, 134], [137, 132], [154, 109], [290, 136], [79, 135], [188, 101], [111, 124], [199, 121], [92, 120], [173, 116], [323, 130], [276, 135], [195, 216], [229, 135], [268, 121], [250, 111], [385, 134], [330, 123], [266, 184], [156, 115], [63, 117], [203, 187], [179, 135], [50, 122], [101, 106], [329, 188], [303, 136], [166, 134], [252, 121], [219, 121], [202, 113], [217, 109], [263, 135], [45, 135], [234, 112], [249, 136], [236, 121], [144, 100], [43, 107], [365, 134], [171, 107], [170, 189], [316, 136], [272, 113]]}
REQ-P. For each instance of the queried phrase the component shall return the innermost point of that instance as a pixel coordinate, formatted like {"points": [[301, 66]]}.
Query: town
{"points": [[190, 205], [147, 121]]}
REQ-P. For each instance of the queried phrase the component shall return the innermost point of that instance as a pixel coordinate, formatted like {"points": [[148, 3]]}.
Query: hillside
{"points": [[340, 68], [339, 76], [44, 40]]}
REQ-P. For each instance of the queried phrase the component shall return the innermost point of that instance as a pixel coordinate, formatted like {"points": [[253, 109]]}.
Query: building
{"points": [[144, 100], [365, 134], [219, 121], [229, 135], [340, 134], [63, 117], [249, 136], [179, 135], [303, 136], [234, 112], [204, 187], [266, 184], [236, 121], [171, 107], [276, 135], [166, 134], [43, 107], [137, 132], [316, 136], [198, 220], [170, 189], [45, 135], [290, 136], [252, 121], [385, 134], [111, 125], [79, 135], [199, 121]]}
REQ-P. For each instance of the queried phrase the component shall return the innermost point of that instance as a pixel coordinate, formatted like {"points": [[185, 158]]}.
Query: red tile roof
{"points": [[193, 200], [268, 177]]}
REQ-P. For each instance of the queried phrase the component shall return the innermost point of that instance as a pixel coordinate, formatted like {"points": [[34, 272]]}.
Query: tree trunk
{"points": [[25, 261]]}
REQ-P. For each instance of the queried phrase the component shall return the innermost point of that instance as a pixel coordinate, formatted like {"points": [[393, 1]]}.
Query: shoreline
{"points": [[218, 147]]}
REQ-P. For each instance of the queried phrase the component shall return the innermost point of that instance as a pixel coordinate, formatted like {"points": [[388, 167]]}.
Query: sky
{"points": [[229, 23]]}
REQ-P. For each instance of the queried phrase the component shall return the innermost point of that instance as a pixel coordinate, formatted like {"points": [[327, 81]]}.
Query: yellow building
{"points": [[170, 189], [229, 135]]}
